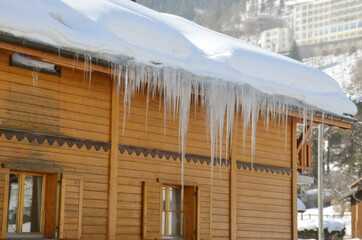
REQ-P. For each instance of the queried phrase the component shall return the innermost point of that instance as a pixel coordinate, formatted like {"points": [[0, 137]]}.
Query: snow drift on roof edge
{"points": [[110, 28]]}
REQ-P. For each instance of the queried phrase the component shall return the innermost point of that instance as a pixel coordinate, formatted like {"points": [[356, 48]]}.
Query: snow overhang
{"points": [[69, 53]]}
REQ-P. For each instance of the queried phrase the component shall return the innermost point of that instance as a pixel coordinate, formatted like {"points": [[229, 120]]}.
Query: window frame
{"points": [[167, 212], [20, 212]]}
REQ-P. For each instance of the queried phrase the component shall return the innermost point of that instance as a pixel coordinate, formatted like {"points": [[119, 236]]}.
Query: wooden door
{"points": [[190, 212]]}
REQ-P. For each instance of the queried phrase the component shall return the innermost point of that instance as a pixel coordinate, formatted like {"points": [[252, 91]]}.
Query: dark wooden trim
{"points": [[57, 69], [168, 154], [264, 167], [41, 138], [51, 139], [33, 166]]}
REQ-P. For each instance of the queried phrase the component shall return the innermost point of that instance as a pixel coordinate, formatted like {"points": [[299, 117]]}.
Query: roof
{"points": [[300, 206], [115, 30], [357, 183], [353, 189]]}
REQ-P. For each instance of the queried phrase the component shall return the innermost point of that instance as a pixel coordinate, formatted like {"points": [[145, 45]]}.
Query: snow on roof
{"points": [[111, 29], [300, 205]]}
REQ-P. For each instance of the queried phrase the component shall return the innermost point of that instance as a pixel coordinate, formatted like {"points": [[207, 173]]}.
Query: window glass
{"points": [[33, 192], [164, 199], [13, 203], [175, 224], [175, 199], [163, 223]]}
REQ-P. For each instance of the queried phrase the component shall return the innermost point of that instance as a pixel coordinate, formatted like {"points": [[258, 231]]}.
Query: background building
{"points": [[277, 39], [327, 20]]}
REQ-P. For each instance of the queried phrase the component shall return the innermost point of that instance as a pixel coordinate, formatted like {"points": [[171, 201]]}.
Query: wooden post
{"points": [[210, 226], [113, 165], [233, 183], [320, 182], [294, 179]]}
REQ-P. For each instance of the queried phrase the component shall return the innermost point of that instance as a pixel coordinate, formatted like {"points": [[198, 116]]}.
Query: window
{"points": [[166, 215], [172, 213], [25, 62], [26, 203]]}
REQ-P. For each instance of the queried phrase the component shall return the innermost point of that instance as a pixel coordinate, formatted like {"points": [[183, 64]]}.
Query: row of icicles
{"points": [[219, 99], [222, 102]]}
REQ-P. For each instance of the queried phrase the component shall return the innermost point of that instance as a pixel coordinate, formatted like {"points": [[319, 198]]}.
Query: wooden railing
{"points": [[304, 162]]}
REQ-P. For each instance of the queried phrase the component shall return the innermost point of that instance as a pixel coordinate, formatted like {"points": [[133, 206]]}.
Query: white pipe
{"points": [[320, 182]]}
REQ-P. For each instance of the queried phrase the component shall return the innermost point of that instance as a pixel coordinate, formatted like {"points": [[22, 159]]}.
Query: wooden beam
{"points": [[233, 183], [294, 179], [303, 137], [210, 226], [113, 166], [5, 201], [326, 120], [198, 217], [80, 204]]}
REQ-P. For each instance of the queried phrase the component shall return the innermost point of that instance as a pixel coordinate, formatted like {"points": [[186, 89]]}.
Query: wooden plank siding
{"points": [[61, 106], [66, 106]]}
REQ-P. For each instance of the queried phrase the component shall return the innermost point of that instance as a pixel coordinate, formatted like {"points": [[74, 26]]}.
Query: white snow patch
{"points": [[340, 67], [329, 215], [111, 29], [27, 61], [331, 225], [300, 205]]}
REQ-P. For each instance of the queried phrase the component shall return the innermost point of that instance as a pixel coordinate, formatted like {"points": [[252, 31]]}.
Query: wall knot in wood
{"points": [[41, 138], [263, 167]]}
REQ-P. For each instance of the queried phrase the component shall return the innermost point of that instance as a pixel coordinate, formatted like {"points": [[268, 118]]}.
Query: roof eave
{"points": [[104, 67]]}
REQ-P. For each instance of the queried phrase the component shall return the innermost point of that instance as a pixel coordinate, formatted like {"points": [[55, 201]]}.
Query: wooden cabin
{"points": [[71, 168], [92, 181]]}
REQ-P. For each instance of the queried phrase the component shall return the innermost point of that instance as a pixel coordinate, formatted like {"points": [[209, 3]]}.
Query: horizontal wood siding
{"points": [[68, 107], [61, 106], [90, 164], [156, 135], [134, 170], [264, 206], [272, 146], [65, 106]]}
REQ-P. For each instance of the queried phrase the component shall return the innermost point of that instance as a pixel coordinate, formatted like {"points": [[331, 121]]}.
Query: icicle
{"points": [[220, 101], [90, 73], [76, 57], [147, 101], [286, 127], [35, 76], [125, 97]]}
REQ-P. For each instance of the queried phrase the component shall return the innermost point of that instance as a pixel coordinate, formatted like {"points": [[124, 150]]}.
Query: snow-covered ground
{"points": [[332, 221], [340, 67]]}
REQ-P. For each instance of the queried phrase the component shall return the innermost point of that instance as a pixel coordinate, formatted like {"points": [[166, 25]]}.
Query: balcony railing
{"points": [[304, 162]]}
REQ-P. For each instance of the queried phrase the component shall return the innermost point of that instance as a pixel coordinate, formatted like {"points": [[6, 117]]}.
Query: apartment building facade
{"points": [[277, 39], [327, 20]]}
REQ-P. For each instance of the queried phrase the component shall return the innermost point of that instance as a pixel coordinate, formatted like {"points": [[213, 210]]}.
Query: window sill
{"points": [[21, 237], [173, 238]]}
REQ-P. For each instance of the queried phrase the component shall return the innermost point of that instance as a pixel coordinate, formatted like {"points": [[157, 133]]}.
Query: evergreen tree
{"points": [[294, 52]]}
